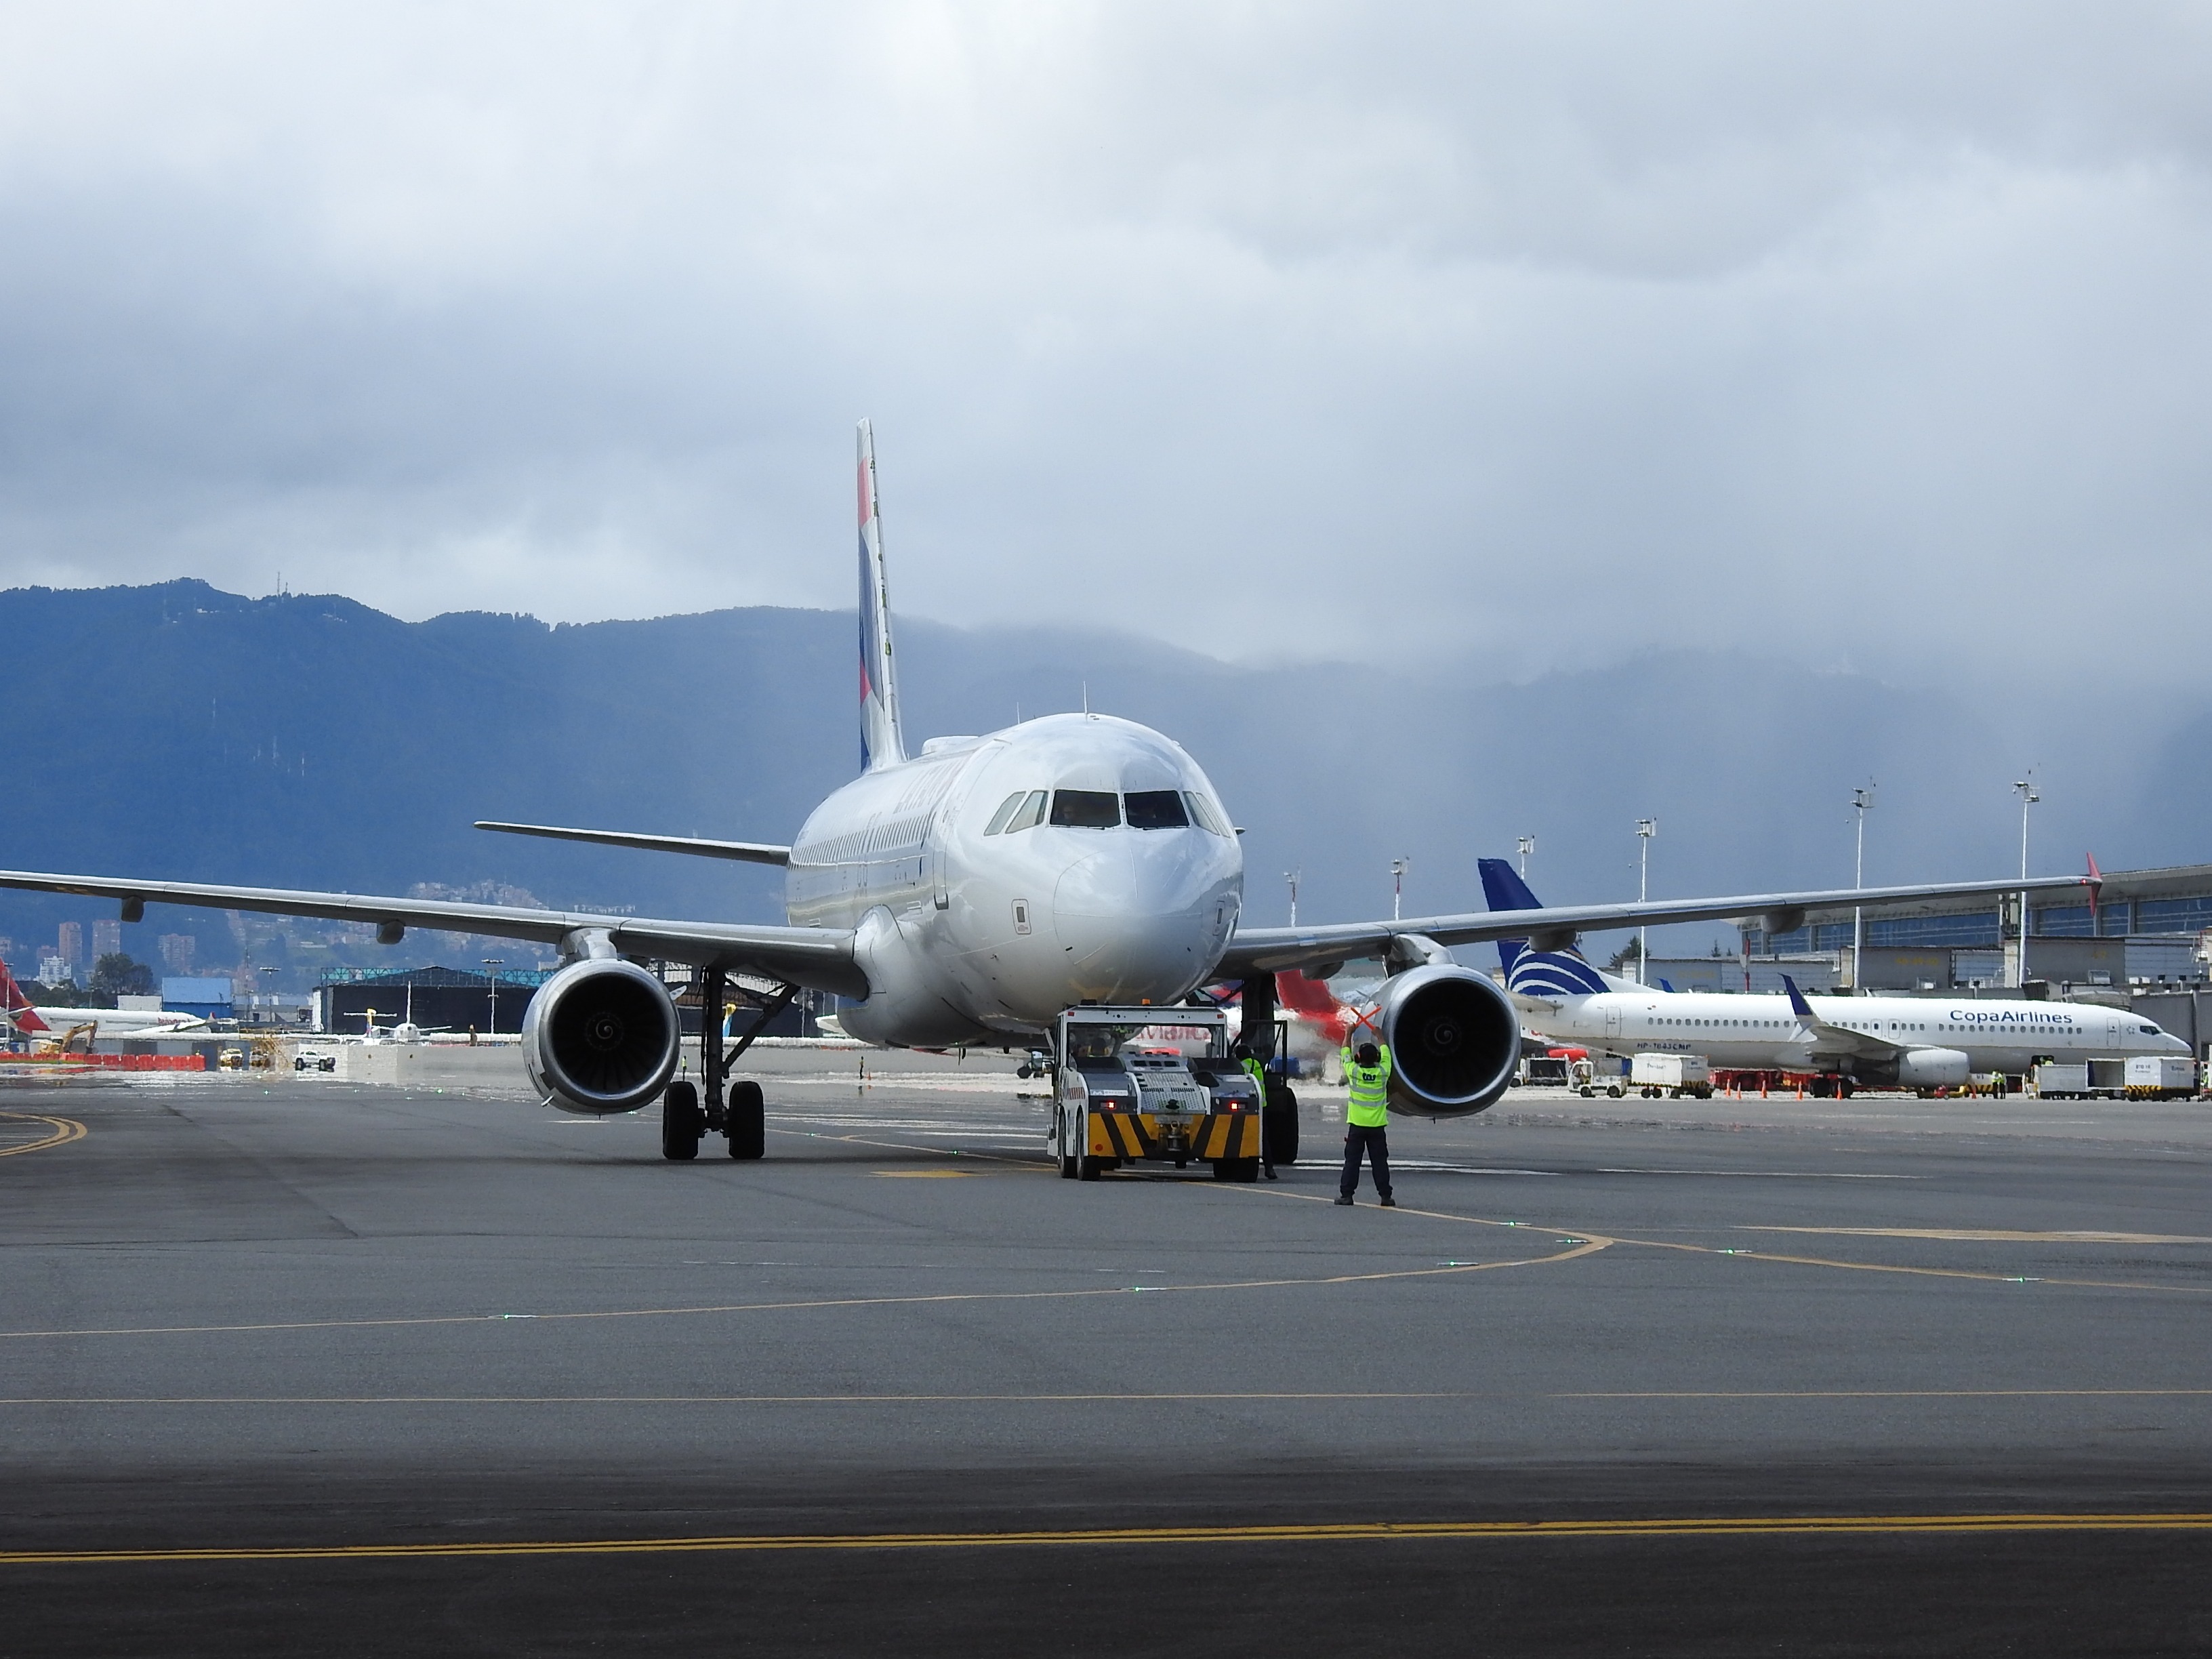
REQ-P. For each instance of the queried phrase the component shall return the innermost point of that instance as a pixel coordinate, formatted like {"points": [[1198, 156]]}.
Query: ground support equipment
{"points": [[1150, 1084]]}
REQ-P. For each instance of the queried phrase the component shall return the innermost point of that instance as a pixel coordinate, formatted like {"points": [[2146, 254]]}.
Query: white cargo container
{"points": [[2161, 1077], [2056, 1082], [1654, 1075]]}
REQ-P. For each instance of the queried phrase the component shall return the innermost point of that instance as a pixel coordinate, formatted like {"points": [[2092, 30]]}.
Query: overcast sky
{"points": [[1512, 333]]}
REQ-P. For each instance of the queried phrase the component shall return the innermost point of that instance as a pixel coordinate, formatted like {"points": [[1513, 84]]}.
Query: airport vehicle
{"points": [[1873, 1041], [970, 893], [2057, 1080], [107, 1022], [314, 1060], [1116, 1102], [1653, 1074], [2161, 1077]]}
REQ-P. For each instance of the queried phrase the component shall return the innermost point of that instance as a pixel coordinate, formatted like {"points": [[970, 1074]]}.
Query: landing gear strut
{"points": [[742, 1115]]}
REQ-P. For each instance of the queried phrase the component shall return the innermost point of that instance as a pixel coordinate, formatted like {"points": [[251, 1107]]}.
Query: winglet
{"points": [[1798, 1006], [2095, 881], [1668, 988]]}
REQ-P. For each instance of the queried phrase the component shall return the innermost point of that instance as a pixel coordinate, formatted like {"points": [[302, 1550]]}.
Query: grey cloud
{"points": [[1509, 333]]}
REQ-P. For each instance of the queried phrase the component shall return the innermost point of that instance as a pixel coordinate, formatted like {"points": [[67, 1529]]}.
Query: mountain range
{"points": [[308, 740]]}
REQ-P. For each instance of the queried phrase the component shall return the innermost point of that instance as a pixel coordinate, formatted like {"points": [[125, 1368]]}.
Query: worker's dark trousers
{"points": [[1375, 1143]]}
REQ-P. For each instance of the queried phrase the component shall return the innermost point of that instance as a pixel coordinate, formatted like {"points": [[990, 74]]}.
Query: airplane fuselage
{"points": [[110, 1022], [1751, 1033], [992, 882]]}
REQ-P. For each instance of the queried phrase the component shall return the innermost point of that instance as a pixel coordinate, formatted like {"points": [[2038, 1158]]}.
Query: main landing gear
{"points": [[742, 1117]]}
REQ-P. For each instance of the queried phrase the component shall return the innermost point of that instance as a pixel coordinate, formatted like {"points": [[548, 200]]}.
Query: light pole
{"points": [[491, 977], [1528, 845], [1292, 876], [2025, 787], [1398, 868], [1861, 799], [268, 979], [1645, 828]]}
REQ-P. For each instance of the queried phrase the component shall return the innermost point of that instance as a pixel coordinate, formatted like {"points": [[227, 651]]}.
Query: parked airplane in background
{"points": [[106, 1021], [970, 893], [1911, 1042]]}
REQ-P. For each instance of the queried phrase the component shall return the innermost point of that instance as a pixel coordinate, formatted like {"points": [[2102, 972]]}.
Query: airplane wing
{"points": [[1272, 949], [750, 852], [819, 958], [1832, 1038]]}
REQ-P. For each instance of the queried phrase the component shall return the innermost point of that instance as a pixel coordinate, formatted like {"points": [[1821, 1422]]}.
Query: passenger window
{"points": [[1155, 809], [1029, 814], [1085, 808], [1202, 813], [1006, 811]]}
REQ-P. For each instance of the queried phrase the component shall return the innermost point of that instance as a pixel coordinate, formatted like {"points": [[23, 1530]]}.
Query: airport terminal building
{"points": [[2146, 929]]}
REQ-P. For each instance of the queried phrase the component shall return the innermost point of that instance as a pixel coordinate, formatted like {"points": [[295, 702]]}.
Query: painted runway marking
{"points": [[1987, 1234], [1762, 1256], [1212, 1397], [1321, 1533], [1766, 1174], [63, 1130], [928, 1174], [1586, 1247]]}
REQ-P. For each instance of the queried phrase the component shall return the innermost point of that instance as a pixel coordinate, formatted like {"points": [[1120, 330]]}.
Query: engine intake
{"points": [[1932, 1068], [600, 1037], [1455, 1040]]}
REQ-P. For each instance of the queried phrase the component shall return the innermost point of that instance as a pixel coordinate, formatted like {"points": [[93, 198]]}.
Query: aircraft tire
{"points": [[1279, 1122], [748, 1121], [679, 1123]]}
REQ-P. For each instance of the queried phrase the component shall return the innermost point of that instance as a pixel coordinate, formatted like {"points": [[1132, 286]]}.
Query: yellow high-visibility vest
{"points": [[1369, 1104]]}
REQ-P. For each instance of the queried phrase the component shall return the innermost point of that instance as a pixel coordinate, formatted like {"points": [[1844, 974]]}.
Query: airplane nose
{"points": [[1134, 920]]}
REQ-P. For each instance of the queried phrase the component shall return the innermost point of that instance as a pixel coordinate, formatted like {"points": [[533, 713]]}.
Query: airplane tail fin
{"points": [[1532, 973], [17, 1005], [882, 744]]}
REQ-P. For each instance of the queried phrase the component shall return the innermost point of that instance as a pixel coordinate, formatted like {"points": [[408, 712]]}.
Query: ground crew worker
{"points": [[1366, 1118], [1256, 1069]]}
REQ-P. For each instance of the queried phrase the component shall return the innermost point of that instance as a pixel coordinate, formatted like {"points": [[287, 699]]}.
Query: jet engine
{"points": [[1931, 1068], [600, 1037], [1455, 1040]]}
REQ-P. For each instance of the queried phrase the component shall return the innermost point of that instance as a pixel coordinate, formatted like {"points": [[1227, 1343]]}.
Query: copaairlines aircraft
{"points": [[970, 893], [1911, 1042]]}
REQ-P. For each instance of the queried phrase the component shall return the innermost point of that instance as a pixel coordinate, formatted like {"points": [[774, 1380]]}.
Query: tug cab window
{"points": [[1085, 808], [1155, 809]]}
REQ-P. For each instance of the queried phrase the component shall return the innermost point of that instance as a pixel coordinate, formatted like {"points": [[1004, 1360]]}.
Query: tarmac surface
{"points": [[304, 1364]]}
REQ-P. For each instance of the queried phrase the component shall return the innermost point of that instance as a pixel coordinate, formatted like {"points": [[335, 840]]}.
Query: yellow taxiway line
{"points": [[1322, 1532], [65, 1129]]}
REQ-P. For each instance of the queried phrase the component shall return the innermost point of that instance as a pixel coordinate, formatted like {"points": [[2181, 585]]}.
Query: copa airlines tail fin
{"points": [[882, 742], [18, 1005], [1530, 973]]}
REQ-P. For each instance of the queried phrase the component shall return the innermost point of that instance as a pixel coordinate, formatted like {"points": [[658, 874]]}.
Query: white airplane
{"points": [[1910, 1042], [969, 894], [18, 1011]]}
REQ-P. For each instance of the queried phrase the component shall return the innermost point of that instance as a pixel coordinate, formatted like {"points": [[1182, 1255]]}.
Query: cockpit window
{"points": [[1155, 809], [1085, 808], [1202, 813], [1006, 811], [1028, 812]]}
